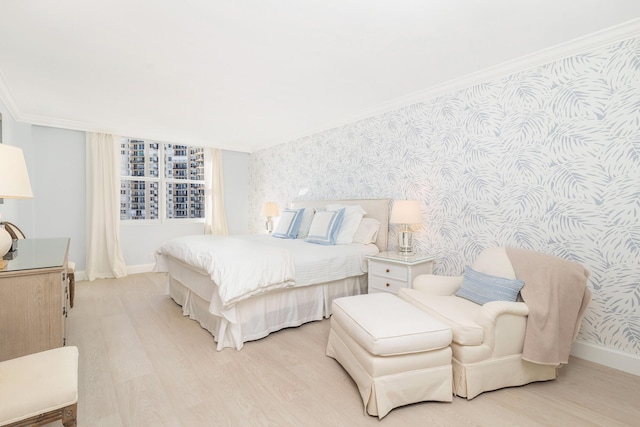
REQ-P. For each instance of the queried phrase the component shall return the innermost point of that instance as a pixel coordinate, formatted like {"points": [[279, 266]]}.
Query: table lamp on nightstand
{"points": [[405, 212], [14, 184], [269, 210]]}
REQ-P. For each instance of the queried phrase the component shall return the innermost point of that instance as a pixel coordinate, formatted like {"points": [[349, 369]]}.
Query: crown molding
{"points": [[7, 99], [618, 33], [134, 133]]}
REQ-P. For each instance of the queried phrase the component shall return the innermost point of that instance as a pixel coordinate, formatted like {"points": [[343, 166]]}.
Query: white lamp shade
{"points": [[14, 179], [269, 209], [406, 212]]}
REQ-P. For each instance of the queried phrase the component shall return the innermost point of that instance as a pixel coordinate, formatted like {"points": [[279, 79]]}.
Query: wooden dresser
{"points": [[34, 298]]}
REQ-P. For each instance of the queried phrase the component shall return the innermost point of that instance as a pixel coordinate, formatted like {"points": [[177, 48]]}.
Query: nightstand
{"points": [[390, 271]]}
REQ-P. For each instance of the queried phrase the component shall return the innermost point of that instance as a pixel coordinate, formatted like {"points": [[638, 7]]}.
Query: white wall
{"points": [[19, 135], [58, 180], [8, 207], [236, 190], [139, 241]]}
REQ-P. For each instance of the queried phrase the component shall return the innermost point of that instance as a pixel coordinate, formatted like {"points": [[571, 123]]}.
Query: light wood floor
{"points": [[143, 364]]}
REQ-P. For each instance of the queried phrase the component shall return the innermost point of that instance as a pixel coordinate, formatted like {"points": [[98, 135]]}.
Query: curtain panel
{"points": [[103, 253], [215, 220]]}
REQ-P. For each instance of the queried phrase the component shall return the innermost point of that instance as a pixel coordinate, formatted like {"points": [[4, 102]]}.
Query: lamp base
{"points": [[269, 225], [405, 242], [13, 254]]}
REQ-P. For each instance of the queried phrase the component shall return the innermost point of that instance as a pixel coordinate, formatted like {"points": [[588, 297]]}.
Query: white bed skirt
{"points": [[260, 315]]}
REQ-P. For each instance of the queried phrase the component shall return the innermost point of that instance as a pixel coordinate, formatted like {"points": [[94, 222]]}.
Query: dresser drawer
{"points": [[381, 284], [387, 270]]}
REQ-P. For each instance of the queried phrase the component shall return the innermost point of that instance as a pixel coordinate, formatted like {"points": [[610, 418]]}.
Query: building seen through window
{"points": [[161, 181]]}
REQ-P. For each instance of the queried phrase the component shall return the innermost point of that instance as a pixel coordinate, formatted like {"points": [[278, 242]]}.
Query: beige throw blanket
{"points": [[557, 295]]}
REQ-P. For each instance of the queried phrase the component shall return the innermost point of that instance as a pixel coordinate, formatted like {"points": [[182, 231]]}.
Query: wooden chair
{"points": [[40, 388], [17, 234]]}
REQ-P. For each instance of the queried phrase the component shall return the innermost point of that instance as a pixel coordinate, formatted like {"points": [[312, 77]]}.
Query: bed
{"points": [[290, 299]]}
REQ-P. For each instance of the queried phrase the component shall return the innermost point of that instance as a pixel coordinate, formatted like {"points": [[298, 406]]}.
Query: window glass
{"points": [[184, 162], [139, 199], [161, 181], [185, 200]]}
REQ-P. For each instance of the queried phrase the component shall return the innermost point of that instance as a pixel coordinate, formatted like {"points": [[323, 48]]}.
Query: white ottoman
{"points": [[395, 353]]}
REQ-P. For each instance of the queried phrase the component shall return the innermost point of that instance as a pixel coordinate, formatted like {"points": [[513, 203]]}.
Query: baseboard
{"points": [[140, 268], [131, 269], [606, 356]]}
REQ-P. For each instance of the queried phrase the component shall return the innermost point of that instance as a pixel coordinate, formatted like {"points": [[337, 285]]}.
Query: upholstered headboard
{"points": [[376, 208]]}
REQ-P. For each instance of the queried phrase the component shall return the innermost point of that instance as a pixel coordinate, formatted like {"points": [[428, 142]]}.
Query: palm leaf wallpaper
{"points": [[546, 159]]}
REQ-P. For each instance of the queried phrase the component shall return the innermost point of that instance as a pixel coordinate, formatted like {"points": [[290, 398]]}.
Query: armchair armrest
{"points": [[504, 325], [437, 285], [492, 310]]}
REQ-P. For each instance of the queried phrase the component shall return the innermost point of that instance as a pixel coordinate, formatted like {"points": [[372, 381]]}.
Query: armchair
{"points": [[488, 339]]}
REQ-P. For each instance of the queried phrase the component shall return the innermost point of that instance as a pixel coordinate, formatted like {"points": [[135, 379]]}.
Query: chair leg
{"points": [[72, 287], [69, 415]]}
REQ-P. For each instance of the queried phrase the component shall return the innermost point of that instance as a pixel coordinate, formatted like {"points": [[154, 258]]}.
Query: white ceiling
{"points": [[246, 75]]}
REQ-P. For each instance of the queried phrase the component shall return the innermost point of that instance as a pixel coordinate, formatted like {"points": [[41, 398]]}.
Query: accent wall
{"points": [[546, 159]]}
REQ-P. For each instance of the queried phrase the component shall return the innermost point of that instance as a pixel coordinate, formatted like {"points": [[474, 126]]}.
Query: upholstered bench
{"points": [[395, 353], [40, 388]]}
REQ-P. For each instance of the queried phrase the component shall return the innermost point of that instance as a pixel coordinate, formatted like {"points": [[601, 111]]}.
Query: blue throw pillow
{"points": [[482, 288], [289, 223], [325, 226]]}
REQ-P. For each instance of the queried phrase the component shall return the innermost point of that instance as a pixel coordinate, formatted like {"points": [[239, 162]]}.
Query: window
{"points": [[161, 181]]}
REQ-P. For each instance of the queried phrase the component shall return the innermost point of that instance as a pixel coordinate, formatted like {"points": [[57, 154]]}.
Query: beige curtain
{"points": [[216, 220], [104, 256]]}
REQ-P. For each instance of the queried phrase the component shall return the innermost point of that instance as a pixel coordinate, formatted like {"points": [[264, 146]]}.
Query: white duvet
{"points": [[239, 267], [247, 265]]}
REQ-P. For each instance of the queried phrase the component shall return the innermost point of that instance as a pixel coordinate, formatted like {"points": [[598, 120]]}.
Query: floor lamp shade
{"points": [[14, 184]]}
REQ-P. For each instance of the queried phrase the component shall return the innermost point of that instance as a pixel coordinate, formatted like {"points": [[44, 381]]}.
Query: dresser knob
{"points": [[388, 270], [388, 285]]}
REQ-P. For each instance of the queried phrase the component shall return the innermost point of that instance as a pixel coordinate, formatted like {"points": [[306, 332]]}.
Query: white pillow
{"points": [[367, 231], [289, 223], [352, 217], [324, 227], [305, 224]]}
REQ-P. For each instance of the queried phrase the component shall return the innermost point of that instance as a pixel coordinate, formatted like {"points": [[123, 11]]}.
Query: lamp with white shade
{"points": [[406, 213], [14, 184], [269, 210]]}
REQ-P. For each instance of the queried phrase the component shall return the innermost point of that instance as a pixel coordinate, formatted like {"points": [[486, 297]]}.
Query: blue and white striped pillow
{"points": [[289, 223], [325, 226], [482, 288]]}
